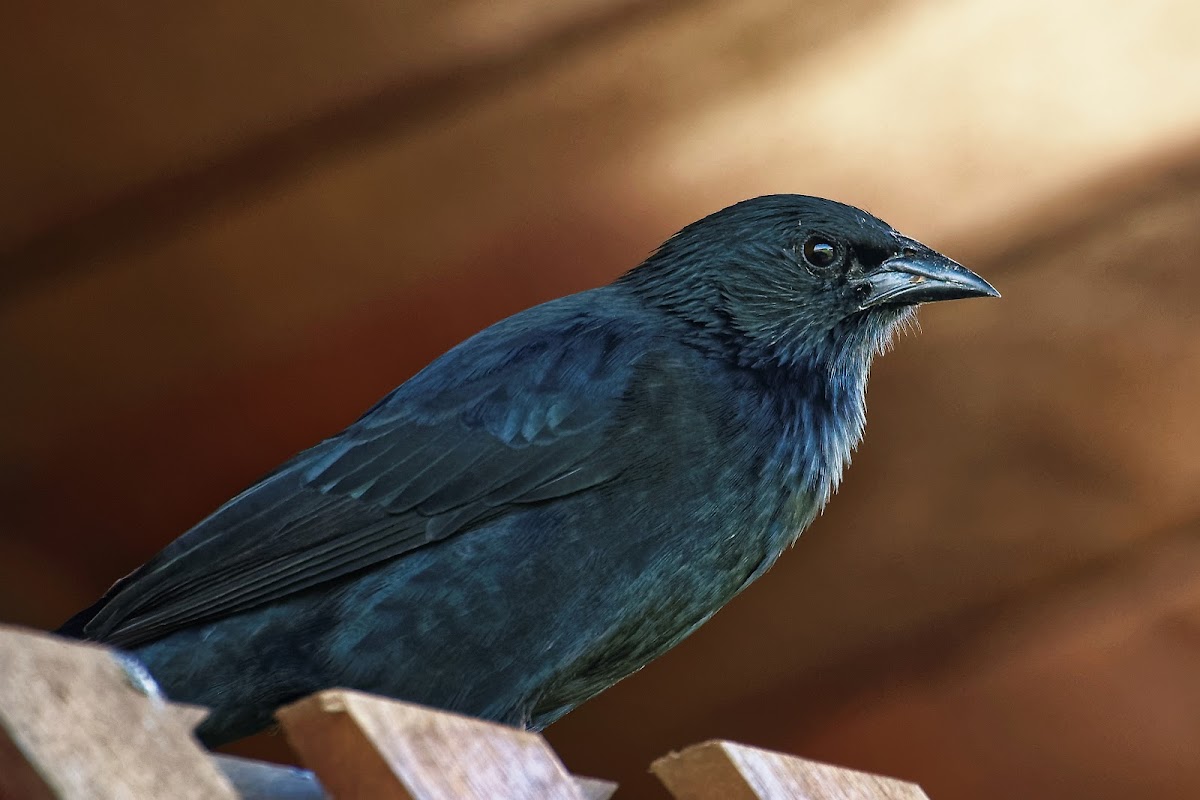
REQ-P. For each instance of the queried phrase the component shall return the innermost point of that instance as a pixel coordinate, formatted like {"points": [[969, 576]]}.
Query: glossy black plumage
{"points": [[557, 500]]}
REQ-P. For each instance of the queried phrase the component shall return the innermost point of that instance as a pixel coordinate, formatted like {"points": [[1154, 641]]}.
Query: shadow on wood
{"points": [[76, 722]]}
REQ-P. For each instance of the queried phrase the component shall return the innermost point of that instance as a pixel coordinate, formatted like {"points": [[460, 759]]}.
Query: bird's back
{"points": [[532, 517]]}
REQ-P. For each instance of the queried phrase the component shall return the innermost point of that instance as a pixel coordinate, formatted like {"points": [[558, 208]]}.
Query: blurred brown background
{"points": [[227, 228]]}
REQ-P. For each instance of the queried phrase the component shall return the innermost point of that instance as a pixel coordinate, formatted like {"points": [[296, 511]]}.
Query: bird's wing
{"points": [[504, 420]]}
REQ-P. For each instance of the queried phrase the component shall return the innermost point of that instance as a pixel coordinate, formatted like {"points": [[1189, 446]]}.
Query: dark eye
{"points": [[820, 252]]}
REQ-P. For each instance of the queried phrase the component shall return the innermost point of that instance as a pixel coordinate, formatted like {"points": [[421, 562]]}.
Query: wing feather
{"points": [[520, 414]]}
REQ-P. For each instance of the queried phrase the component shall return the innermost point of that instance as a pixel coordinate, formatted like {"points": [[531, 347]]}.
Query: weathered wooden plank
{"points": [[725, 771], [73, 727], [364, 746]]}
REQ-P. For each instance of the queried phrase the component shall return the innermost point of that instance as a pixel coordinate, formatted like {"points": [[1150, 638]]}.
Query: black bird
{"points": [[557, 500]]}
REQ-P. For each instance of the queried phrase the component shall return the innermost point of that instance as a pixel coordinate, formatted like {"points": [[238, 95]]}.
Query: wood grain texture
{"points": [[73, 727], [364, 746], [727, 771]]}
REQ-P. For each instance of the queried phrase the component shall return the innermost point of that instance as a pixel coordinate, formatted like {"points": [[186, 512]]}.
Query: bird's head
{"points": [[791, 278]]}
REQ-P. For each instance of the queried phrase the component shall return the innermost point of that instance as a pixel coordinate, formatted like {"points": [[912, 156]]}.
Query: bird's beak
{"points": [[922, 275]]}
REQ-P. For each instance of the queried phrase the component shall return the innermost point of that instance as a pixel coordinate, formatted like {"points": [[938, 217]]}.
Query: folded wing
{"points": [[519, 415]]}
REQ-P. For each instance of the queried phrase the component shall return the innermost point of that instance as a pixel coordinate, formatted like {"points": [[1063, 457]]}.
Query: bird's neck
{"points": [[819, 407], [818, 383], [808, 381], [820, 400]]}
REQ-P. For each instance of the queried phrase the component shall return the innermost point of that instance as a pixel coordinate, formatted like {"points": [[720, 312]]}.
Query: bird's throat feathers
{"points": [[810, 366], [818, 393]]}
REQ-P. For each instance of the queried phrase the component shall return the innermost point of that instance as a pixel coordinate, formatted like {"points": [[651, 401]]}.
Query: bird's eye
{"points": [[820, 252]]}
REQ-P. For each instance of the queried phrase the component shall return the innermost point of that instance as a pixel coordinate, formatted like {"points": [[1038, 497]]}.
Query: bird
{"points": [[557, 500]]}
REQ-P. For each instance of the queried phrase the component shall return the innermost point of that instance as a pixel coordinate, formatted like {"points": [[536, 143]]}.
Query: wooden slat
{"points": [[364, 746], [73, 727], [725, 771]]}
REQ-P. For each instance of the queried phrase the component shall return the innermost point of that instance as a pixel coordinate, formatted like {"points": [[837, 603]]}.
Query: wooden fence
{"points": [[74, 725]]}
